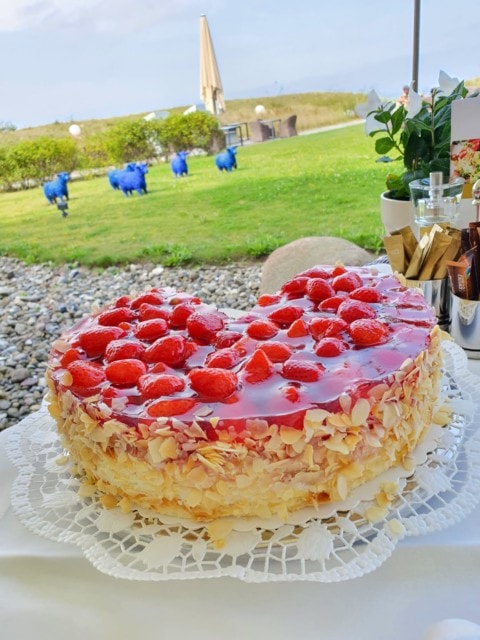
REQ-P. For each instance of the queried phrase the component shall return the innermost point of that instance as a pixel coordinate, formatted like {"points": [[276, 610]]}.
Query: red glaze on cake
{"points": [[168, 403]]}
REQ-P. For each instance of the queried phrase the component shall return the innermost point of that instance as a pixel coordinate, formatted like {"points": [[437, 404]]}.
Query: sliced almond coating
{"points": [[204, 411], [342, 487], [169, 448], [360, 412], [443, 415], [315, 417], [391, 416], [61, 345], [345, 402], [66, 379], [289, 435], [353, 470], [243, 481], [378, 390], [211, 464], [298, 446], [86, 490], [197, 474], [308, 455], [375, 514], [194, 497], [258, 429], [125, 505], [159, 449], [337, 444], [108, 501]]}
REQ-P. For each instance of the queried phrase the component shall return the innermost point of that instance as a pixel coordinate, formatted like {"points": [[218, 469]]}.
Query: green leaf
{"points": [[383, 145], [396, 187], [398, 118], [383, 116]]}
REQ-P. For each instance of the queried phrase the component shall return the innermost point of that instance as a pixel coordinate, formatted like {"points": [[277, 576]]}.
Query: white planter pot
{"points": [[396, 214]]}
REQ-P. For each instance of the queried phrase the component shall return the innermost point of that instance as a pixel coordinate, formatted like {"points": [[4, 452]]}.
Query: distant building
{"points": [[195, 107], [156, 115]]}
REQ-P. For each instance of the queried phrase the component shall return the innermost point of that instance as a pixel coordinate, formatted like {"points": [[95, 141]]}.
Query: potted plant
{"points": [[418, 133]]}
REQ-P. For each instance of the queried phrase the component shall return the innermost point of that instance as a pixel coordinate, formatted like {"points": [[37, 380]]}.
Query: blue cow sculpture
{"points": [[57, 188], [227, 160], [114, 175], [134, 180], [179, 164]]}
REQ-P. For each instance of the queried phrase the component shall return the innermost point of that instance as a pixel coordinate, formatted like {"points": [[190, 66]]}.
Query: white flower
{"points": [[447, 84], [365, 110], [414, 103], [373, 103]]}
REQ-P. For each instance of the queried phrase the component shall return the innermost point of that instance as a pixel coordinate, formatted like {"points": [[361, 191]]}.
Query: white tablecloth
{"points": [[48, 590]]}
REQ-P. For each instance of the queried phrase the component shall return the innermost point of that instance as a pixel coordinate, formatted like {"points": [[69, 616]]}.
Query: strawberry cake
{"points": [[166, 403]]}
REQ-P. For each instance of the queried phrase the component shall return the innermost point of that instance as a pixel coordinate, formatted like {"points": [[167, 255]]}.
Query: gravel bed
{"points": [[37, 302]]}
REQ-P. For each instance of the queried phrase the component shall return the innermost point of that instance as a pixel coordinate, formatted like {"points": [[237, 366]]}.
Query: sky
{"points": [[72, 60]]}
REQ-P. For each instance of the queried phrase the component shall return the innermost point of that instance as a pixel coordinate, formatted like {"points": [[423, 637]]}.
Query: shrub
{"points": [[130, 141], [6, 169], [33, 161], [94, 153], [198, 130]]}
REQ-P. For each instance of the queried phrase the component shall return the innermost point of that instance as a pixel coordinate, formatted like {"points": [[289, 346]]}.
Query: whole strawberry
{"points": [[367, 332], [85, 376], [94, 341], [347, 281], [213, 383], [125, 372], [351, 310], [204, 326], [154, 385], [301, 370], [330, 347]]}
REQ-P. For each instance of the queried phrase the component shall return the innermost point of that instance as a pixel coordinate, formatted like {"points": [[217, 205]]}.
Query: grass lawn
{"points": [[321, 184]]}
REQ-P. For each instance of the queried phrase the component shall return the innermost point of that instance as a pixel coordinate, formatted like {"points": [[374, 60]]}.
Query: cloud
{"points": [[100, 16]]}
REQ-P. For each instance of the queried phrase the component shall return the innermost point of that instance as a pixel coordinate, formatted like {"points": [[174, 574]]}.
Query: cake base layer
{"points": [[273, 469]]}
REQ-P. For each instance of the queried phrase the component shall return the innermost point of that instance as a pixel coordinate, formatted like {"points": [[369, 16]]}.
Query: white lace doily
{"points": [[344, 542]]}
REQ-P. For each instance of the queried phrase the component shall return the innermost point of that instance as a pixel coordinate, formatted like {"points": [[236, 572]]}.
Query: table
{"points": [[48, 590], [235, 134]]}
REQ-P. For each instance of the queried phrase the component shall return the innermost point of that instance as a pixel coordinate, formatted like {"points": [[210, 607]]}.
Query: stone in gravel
{"points": [[29, 382], [19, 375], [20, 328]]}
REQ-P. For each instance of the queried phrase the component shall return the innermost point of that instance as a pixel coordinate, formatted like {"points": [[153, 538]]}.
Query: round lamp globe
{"points": [[74, 130]]}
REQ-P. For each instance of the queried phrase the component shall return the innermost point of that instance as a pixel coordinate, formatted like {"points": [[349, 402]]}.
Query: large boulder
{"points": [[301, 254]]}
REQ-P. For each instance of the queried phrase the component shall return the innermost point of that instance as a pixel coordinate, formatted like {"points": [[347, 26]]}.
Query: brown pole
{"points": [[416, 43]]}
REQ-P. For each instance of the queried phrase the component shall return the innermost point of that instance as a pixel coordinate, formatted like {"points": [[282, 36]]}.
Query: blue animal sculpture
{"points": [[57, 188], [227, 160], [179, 164], [134, 180], [114, 175]]}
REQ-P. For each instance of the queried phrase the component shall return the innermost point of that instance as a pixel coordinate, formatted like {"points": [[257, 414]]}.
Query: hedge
{"points": [[32, 162]]}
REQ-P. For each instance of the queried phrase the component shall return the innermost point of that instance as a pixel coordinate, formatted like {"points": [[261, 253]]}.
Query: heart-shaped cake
{"points": [[170, 404]]}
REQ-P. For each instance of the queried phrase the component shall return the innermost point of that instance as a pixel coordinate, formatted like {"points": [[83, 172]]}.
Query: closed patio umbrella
{"points": [[211, 90]]}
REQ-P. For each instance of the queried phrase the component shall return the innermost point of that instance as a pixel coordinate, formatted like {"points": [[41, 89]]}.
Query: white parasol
{"points": [[211, 90]]}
